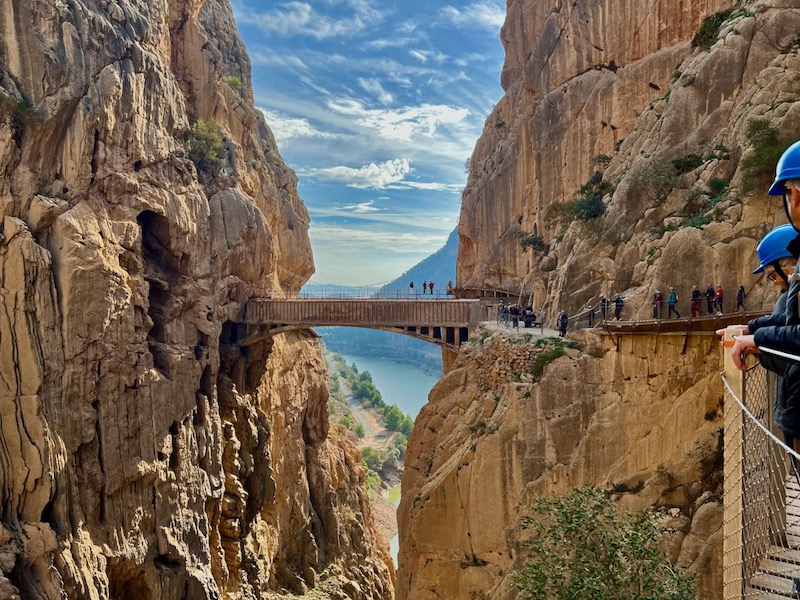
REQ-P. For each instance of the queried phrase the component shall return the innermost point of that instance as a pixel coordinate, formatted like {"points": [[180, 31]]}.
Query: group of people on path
{"points": [[427, 287], [512, 314]]}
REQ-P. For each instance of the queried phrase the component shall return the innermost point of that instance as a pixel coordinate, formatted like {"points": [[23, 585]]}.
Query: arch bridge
{"points": [[447, 323]]}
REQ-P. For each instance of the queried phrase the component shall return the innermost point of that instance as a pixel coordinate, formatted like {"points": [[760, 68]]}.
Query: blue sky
{"points": [[376, 106]]}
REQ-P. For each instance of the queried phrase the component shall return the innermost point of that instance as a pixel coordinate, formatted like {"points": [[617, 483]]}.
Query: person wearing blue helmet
{"points": [[780, 337]]}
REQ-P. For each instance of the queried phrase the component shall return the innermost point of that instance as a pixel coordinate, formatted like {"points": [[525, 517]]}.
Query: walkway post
{"points": [[733, 470]]}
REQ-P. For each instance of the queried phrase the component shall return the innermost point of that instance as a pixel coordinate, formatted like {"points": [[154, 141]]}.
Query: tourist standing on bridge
{"points": [[773, 254], [672, 301], [785, 338], [718, 300], [740, 294], [604, 302], [697, 300], [710, 295], [424, 287], [411, 289], [658, 301], [590, 310], [563, 321], [430, 287], [618, 304]]}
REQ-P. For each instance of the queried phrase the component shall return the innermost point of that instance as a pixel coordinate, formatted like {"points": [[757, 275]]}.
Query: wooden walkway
{"points": [[779, 572], [444, 322]]}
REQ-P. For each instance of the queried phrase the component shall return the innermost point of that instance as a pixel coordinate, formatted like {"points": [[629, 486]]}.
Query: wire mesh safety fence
{"points": [[761, 548]]}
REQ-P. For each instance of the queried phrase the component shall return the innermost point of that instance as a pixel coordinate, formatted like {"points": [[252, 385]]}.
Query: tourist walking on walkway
{"points": [[563, 321], [411, 289], [590, 310], [618, 304], [697, 300], [430, 287], [604, 302], [672, 300], [424, 287], [658, 300], [710, 295], [740, 294], [718, 300]]}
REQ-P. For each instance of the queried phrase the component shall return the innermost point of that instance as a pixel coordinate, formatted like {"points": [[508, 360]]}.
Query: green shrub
{"points": [[580, 548], [588, 206], [535, 242], [688, 163], [234, 82], [709, 30], [655, 180], [544, 359], [767, 145], [698, 220], [206, 147]]}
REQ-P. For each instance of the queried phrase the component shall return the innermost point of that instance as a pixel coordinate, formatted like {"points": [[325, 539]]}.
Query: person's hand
{"points": [[745, 344], [740, 329]]}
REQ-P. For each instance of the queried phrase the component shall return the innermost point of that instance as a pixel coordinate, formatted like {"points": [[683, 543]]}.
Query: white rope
{"points": [[756, 421]]}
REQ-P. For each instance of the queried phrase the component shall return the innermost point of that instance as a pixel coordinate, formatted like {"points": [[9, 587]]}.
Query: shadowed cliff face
{"points": [[144, 453], [622, 79]]}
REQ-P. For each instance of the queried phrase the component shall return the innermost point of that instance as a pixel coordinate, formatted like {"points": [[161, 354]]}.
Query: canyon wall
{"points": [[145, 453], [646, 107], [619, 89], [639, 415]]}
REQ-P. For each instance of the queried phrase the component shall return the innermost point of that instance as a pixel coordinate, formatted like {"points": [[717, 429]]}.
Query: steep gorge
{"points": [[144, 453]]}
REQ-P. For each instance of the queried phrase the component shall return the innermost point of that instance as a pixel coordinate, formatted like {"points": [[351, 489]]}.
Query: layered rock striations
{"points": [[640, 418], [646, 109], [621, 90], [145, 453]]}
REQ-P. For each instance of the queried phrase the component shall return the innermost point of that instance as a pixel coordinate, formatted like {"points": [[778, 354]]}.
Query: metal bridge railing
{"points": [[761, 523]]}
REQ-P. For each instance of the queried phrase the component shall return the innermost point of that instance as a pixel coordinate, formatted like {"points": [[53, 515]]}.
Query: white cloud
{"points": [[287, 128], [362, 207], [371, 176], [430, 218], [412, 242], [401, 124], [374, 87], [419, 55], [482, 14], [301, 19], [432, 186]]}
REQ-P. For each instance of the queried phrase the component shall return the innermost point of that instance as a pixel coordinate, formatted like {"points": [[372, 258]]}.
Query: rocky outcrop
{"points": [[620, 90], [145, 454], [641, 419]]}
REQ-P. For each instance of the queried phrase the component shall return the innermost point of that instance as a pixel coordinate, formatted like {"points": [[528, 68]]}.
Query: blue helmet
{"points": [[788, 168], [773, 246]]}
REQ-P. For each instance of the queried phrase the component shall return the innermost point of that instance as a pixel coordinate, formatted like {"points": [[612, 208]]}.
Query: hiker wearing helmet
{"points": [[780, 337]]}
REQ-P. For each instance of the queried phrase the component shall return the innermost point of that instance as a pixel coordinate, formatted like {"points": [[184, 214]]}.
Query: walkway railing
{"points": [[761, 523]]}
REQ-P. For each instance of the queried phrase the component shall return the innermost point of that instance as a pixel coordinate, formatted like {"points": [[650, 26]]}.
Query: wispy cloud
{"points": [[362, 207], [372, 176], [287, 128], [486, 15], [404, 123], [291, 19], [374, 87]]}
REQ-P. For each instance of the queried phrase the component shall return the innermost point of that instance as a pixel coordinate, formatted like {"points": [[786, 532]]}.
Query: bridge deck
{"points": [[704, 324], [363, 313]]}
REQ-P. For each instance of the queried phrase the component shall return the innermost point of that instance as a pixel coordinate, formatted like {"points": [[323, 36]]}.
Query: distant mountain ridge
{"points": [[439, 267]]}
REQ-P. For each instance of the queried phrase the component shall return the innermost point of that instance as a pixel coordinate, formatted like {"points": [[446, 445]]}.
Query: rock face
{"points": [[144, 453], [615, 103], [618, 89], [642, 419]]}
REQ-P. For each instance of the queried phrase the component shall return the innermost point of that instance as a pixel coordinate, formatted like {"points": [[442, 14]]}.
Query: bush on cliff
{"points": [[581, 548], [206, 147]]}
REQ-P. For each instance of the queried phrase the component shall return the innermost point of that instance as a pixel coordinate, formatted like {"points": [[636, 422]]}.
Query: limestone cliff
{"points": [[619, 89], [641, 418], [145, 454], [642, 110]]}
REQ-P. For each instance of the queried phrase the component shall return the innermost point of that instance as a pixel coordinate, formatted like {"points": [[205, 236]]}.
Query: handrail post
{"points": [[733, 482]]}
